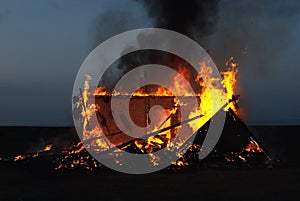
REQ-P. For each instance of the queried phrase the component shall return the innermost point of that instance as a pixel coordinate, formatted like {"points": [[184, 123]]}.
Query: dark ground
{"points": [[33, 183]]}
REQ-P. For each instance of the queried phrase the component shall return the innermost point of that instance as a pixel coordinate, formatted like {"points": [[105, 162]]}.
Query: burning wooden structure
{"points": [[237, 147]]}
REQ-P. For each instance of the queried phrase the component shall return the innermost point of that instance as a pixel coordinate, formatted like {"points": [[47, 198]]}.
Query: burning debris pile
{"points": [[237, 147]]}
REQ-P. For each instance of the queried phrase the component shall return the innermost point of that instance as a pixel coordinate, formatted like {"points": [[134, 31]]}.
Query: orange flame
{"points": [[48, 147], [212, 98]]}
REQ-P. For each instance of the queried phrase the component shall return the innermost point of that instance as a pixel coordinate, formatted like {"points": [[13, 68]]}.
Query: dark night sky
{"points": [[43, 43]]}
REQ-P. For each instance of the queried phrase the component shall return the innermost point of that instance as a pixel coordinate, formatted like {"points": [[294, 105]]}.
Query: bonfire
{"points": [[237, 146]]}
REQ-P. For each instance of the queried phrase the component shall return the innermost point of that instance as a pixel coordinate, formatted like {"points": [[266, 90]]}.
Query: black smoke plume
{"points": [[194, 18]]}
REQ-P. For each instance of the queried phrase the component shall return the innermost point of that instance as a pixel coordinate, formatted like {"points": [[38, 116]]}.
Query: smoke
{"points": [[195, 18], [124, 16], [120, 17], [255, 34], [264, 39]]}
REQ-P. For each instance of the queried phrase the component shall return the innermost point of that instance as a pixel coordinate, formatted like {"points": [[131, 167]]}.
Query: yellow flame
{"points": [[212, 98], [229, 81]]}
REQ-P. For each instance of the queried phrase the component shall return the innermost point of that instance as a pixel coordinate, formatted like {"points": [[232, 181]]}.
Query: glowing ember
{"points": [[253, 146], [48, 147], [20, 157], [26, 156]]}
